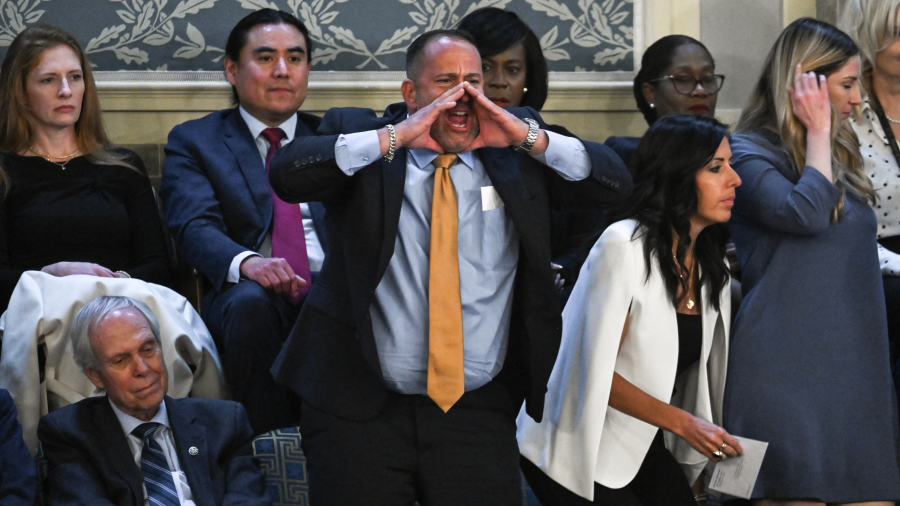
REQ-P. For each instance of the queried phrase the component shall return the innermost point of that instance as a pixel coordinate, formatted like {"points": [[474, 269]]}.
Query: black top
{"points": [[84, 213], [690, 340]]}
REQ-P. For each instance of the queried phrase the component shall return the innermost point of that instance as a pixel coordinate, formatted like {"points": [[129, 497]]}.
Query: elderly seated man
{"points": [[137, 446]]}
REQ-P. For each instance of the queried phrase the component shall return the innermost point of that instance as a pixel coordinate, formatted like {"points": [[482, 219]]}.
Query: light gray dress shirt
{"points": [[488, 255]]}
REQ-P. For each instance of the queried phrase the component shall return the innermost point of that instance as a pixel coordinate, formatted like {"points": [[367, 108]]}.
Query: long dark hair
{"points": [[496, 30], [657, 58], [666, 162]]}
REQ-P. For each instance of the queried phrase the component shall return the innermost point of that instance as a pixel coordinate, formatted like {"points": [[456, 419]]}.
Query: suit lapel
{"points": [[243, 147], [393, 176], [115, 443], [189, 434]]}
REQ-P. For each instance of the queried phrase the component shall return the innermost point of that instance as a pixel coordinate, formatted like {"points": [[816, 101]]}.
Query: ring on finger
{"points": [[718, 455], [724, 445]]}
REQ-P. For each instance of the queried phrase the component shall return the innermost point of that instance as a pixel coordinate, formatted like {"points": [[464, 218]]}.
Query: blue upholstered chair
{"points": [[284, 466]]}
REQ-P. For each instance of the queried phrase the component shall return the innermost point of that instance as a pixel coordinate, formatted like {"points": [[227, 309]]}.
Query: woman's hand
{"points": [[69, 268], [809, 98], [706, 437]]}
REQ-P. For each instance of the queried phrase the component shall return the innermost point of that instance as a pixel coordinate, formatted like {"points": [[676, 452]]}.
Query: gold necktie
{"points": [[446, 379]]}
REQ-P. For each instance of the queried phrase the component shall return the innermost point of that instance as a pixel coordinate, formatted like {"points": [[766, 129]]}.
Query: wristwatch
{"points": [[531, 138]]}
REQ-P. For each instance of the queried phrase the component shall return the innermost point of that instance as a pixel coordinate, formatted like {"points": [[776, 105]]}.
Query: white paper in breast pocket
{"points": [[490, 199]]}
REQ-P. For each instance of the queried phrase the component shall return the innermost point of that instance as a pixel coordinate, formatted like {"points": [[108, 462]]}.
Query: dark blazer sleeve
{"points": [[192, 209], [307, 171], [72, 478], [608, 184], [18, 478], [244, 481]]}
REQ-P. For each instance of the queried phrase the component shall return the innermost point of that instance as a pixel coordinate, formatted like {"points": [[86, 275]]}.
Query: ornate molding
{"points": [[208, 91]]}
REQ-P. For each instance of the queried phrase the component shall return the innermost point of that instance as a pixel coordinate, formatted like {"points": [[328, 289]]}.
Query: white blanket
{"points": [[41, 312]]}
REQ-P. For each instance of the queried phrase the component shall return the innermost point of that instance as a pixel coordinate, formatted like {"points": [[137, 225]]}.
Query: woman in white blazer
{"points": [[645, 337]]}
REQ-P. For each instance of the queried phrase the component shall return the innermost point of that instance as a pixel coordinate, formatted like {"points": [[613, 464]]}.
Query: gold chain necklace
{"points": [[62, 165], [690, 289]]}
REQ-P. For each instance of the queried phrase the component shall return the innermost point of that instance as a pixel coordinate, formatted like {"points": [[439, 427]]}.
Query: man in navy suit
{"points": [[136, 445], [221, 212], [410, 393]]}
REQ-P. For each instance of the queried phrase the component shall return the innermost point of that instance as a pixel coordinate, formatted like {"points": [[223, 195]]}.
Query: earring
{"points": [[652, 105], [524, 90]]}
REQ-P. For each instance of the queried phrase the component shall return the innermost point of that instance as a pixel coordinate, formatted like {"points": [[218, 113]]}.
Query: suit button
{"points": [[318, 157], [305, 161], [296, 163]]}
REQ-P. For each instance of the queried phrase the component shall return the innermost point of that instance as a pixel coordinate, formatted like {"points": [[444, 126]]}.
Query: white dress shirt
{"points": [[314, 250], [166, 440]]}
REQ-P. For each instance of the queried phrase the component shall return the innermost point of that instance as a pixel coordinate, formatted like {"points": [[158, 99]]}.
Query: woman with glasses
{"points": [[677, 76], [808, 370]]}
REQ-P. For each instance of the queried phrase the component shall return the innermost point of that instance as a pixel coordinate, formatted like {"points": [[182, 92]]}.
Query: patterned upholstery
{"points": [[284, 466]]}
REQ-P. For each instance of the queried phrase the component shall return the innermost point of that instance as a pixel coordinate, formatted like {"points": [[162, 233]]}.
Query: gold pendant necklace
{"points": [[67, 158], [690, 288]]}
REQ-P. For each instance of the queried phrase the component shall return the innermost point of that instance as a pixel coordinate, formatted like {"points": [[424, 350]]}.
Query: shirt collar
{"points": [[867, 112], [129, 423], [424, 157], [256, 126]]}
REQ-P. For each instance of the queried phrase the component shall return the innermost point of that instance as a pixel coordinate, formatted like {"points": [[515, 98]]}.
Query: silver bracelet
{"points": [[124, 274], [389, 156], [531, 138]]}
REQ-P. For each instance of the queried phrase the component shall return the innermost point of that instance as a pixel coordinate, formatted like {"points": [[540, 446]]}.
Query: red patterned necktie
{"points": [[288, 238]]}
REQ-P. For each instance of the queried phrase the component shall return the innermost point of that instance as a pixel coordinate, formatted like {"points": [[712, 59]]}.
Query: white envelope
{"points": [[737, 475]]}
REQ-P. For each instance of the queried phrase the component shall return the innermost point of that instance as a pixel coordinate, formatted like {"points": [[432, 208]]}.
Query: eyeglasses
{"points": [[686, 84]]}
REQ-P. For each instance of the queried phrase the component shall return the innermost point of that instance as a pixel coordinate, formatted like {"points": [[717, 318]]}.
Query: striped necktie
{"points": [[155, 468]]}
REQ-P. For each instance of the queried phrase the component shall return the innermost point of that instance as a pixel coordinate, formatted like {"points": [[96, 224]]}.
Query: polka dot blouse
{"points": [[882, 169]]}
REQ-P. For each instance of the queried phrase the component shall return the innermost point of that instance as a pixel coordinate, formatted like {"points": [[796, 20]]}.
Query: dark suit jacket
{"points": [[90, 462], [215, 192], [330, 358], [18, 477]]}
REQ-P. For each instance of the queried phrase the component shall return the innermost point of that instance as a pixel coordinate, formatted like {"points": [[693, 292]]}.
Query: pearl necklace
{"points": [[892, 120], [68, 158]]}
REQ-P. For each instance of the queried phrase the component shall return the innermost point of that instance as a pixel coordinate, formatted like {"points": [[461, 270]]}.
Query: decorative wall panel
{"points": [[348, 35]]}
